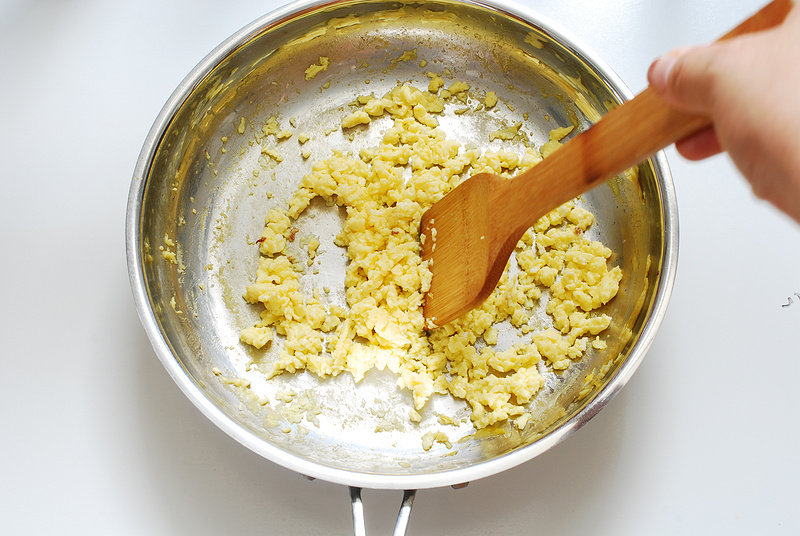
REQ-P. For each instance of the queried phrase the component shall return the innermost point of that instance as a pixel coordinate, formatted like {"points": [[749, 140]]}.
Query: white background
{"points": [[97, 439]]}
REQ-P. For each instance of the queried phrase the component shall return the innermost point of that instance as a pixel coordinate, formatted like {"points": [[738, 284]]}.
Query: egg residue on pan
{"points": [[384, 191]]}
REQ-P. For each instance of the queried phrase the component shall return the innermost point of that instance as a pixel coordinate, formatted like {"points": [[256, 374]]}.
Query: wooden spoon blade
{"points": [[463, 218]]}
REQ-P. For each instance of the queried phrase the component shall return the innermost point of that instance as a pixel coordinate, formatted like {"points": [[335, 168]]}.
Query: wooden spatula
{"points": [[471, 232]]}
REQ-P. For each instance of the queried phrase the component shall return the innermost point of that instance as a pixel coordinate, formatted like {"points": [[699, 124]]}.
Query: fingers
{"points": [[691, 79], [699, 145], [686, 78], [660, 70]]}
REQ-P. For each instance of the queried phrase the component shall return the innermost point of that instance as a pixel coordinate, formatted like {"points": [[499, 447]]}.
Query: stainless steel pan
{"points": [[200, 191]]}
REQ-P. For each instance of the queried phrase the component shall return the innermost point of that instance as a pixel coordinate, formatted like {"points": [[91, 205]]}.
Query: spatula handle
{"points": [[631, 132], [770, 15]]}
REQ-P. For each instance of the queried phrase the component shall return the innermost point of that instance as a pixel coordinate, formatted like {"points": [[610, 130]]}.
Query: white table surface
{"points": [[97, 439]]}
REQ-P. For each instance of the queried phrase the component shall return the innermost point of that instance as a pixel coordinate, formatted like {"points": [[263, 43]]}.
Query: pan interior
{"points": [[207, 188]]}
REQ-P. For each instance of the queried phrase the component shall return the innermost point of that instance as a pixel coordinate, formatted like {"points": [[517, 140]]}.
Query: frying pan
{"points": [[201, 190]]}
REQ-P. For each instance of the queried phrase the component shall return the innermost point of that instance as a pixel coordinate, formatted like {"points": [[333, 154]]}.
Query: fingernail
{"points": [[658, 74]]}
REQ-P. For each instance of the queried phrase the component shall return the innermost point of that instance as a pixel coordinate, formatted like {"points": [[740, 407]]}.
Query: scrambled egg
{"points": [[314, 69], [384, 191]]}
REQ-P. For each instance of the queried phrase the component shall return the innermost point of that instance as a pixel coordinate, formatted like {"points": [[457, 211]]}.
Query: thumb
{"points": [[686, 77]]}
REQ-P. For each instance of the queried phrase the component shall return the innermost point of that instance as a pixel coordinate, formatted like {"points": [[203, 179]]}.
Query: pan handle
{"points": [[401, 525]]}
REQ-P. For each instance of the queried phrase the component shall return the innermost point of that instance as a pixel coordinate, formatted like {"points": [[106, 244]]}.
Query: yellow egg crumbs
{"points": [[490, 101], [430, 438], [507, 133], [314, 69], [167, 251], [384, 191], [408, 55], [436, 83]]}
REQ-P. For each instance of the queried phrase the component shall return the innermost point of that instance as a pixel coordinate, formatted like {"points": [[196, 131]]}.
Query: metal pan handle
{"points": [[401, 525]]}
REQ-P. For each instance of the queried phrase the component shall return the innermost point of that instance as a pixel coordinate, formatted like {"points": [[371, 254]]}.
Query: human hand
{"points": [[749, 88]]}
